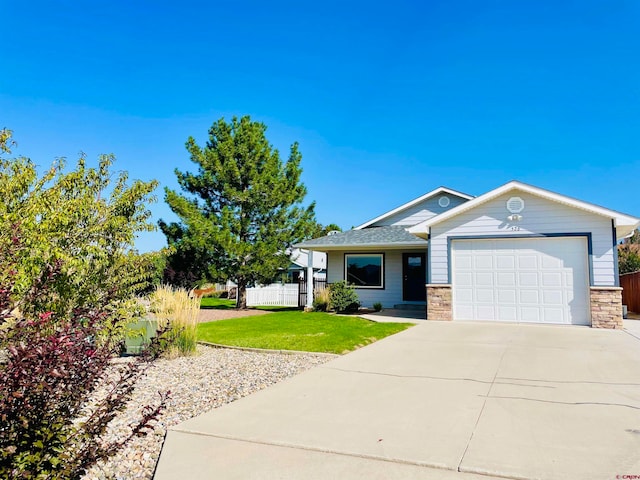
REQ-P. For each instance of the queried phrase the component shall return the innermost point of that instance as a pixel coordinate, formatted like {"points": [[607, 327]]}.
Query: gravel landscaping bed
{"points": [[213, 377]]}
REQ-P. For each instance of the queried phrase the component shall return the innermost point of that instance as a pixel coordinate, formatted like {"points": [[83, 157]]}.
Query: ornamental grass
{"points": [[174, 308]]}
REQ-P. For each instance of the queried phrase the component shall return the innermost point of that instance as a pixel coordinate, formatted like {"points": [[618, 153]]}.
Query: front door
{"points": [[414, 275]]}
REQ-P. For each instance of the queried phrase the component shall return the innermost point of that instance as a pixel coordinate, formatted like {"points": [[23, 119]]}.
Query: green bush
{"points": [[343, 297], [377, 306]]}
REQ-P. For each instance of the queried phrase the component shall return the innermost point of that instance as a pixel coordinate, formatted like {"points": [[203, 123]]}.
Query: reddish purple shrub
{"points": [[50, 426]]}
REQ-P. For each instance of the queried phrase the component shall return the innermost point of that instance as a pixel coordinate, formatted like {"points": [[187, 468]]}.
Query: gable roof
{"points": [[374, 237], [624, 223], [410, 204]]}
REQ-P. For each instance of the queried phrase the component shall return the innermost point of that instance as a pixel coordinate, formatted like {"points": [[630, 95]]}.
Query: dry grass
{"points": [[321, 299], [174, 307]]}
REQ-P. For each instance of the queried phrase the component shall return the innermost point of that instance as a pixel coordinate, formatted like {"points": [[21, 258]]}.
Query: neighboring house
{"points": [[516, 254], [300, 261]]}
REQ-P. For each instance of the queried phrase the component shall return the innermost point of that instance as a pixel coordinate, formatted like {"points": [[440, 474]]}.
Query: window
{"points": [[364, 270]]}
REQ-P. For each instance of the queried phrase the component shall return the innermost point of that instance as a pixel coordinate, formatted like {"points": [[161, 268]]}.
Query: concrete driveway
{"points": [[442, 400]]}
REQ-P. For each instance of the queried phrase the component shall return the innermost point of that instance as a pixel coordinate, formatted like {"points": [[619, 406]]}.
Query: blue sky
{"points": [[387, 99]]}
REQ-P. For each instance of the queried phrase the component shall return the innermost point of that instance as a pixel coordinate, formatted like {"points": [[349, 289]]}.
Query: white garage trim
{"points": [[541, 279]]}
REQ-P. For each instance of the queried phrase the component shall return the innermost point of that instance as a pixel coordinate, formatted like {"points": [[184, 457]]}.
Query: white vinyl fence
{"points": [[276, 294]]}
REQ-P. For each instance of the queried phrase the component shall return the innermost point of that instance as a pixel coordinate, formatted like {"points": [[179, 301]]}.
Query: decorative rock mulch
{"points": [[213, 377]]}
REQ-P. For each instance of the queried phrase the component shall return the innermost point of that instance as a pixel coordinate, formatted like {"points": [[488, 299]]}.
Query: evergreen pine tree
{"points": [[242, 210]]}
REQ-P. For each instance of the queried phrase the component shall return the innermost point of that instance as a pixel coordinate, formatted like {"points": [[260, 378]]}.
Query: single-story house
{"points": [[518, 253]]}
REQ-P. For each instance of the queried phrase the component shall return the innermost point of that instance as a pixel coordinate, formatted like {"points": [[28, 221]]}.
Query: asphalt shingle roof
{"points": [[373, 236]]}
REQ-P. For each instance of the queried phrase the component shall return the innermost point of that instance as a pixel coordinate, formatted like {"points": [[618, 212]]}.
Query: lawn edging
{"points": [[267, 350]]}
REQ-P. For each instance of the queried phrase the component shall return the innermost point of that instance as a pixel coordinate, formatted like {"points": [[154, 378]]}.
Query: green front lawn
{"points": [[217, 303], [296, 330]]}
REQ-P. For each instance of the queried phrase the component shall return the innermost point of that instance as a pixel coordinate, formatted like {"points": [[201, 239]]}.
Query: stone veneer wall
{"points": [[606, 307], [439, 306]]}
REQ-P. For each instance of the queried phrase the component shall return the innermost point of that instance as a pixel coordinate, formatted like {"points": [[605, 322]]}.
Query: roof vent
{"points": [[515, 205], [333, 232], [444, 201]]}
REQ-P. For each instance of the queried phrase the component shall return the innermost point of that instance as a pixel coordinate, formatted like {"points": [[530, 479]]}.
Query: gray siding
{"points": [[390, 295], [420, 212], [539, 216]]}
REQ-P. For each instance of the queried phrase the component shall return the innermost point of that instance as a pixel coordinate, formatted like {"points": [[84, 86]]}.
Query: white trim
{"points": [[368, 246], [624, 223], [432, 193]]}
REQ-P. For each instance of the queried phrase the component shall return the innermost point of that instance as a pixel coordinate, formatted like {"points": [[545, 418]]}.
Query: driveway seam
{"points": [[395, 375], [435, 466], [484, 404], [631, 334]]}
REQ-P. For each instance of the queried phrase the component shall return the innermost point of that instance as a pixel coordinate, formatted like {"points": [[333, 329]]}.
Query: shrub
{"points": [[53, 420], [343, 297], [321, 300], [178, 312], [628, 260], [377, 306]]}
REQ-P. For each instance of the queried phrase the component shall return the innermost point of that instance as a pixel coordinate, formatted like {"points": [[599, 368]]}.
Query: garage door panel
{"points": [[507, 314], [506, 262], [552, 297], [465, 295], [553, 315], [551, 279], [549, 262], [484, 295], [527, 262], [529, 297], [485, 311], [484, 279], [530, 315], [465, 279], [528, 279], [538, 280], [464, 261], [483, 262], [568, 279], [504, 279], [507, 296]]}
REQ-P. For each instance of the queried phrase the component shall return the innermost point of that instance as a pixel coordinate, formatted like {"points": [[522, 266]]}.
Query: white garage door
{"points": [[541, 280]]}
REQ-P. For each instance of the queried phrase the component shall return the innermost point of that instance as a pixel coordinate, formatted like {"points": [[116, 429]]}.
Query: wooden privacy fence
{"points": [[276, 294], [630, 283]]}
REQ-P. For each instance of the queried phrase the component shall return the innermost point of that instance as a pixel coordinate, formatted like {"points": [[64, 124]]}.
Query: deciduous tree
{"points": [[85, 218]]}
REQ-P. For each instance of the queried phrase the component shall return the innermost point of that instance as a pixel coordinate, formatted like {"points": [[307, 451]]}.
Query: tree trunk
{"points": [[241, 295]]}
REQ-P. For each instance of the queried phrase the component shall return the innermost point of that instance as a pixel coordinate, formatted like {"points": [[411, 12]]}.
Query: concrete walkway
{"points": [[391, 315], [442, 400]]}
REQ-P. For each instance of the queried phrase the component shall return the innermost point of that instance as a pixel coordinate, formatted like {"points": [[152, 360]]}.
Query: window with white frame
{"points": [[364, 270]]}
